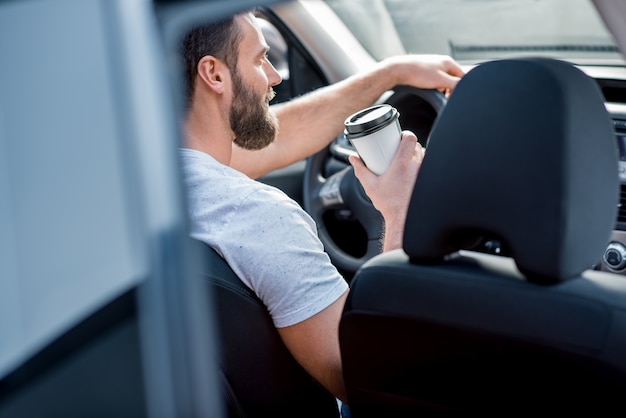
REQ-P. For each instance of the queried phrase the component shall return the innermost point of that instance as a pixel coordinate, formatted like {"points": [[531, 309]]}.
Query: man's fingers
{"points": [[357, 164], [407, 145]]}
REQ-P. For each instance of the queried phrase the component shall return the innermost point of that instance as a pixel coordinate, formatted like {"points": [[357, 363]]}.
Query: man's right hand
{"points": [[391, 192]]}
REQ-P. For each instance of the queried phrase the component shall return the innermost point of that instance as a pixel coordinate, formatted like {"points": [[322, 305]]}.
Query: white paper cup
{"points": [[375, 134]]}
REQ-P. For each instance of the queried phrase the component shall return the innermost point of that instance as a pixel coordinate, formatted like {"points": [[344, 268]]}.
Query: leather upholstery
{"points": [[524, 152]]}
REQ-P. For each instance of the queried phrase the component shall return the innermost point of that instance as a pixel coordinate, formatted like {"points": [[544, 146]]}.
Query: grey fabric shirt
{"points": [[269, 241]]}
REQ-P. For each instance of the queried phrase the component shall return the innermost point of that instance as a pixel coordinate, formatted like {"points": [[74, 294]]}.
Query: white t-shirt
{"points": [[268, 240]]}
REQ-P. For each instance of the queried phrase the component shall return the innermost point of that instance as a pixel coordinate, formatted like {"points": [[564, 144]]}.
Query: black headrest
{"points": [[524, 152]]}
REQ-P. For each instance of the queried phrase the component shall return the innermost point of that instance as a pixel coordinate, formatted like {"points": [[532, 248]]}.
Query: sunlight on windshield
{"points": [[474, 30]]}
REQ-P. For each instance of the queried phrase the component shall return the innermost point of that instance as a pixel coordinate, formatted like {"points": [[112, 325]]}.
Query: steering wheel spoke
{"points": [[330, 190]]}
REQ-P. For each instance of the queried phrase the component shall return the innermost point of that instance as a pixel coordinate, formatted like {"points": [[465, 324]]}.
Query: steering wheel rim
{"points": [[342, 190], [324, 194]]}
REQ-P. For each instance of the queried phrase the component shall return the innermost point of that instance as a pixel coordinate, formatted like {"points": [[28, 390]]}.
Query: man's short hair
{"points": [[219, 39]]}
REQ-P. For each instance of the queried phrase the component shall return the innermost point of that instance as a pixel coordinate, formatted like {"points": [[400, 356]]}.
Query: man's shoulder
{"points": [[212, 183], [194, 161], [203, 172]]}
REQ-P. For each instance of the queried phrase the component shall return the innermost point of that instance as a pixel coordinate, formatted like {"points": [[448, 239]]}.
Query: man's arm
{"points": [[314, 343], [308, 123]]}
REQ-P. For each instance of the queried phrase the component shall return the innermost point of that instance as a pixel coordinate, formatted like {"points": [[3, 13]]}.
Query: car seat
{"points": [[259, 376], [524, 155]]}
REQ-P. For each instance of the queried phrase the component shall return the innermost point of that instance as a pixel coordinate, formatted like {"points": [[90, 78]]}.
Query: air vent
{"points": [[614, 90], [534, 48], [575, 51]]}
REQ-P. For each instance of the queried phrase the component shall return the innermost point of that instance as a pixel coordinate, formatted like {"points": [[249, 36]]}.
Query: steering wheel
{"points": [[330, 186]]}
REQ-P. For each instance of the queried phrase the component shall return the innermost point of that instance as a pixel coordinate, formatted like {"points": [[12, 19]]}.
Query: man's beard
{"points": [[252, 122]]}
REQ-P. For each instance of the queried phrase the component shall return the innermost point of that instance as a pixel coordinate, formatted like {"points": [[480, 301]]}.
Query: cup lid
{"points": [[370, 119]]}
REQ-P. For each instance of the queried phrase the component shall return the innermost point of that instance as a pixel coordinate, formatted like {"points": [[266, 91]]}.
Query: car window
{"points": [[298, 71], [476, 30]]}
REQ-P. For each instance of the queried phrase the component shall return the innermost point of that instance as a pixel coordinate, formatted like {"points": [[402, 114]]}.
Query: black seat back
{"points": [[260, 377], [524, 154]]}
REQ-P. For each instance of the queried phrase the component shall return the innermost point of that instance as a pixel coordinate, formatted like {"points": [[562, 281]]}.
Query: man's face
{"points": [[251, 120]]}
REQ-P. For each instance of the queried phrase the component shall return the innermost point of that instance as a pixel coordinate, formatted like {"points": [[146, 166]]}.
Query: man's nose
{"points": [[273, 76]]}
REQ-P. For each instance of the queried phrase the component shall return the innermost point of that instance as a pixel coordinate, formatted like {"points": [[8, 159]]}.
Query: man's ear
{"points": [[213, 73]]}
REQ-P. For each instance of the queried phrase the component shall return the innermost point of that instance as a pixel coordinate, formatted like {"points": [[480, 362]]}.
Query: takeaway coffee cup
{"points": [[375, 134]]}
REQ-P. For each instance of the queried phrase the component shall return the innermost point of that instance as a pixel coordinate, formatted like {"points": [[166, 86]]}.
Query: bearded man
{"points": [[232, 136]]}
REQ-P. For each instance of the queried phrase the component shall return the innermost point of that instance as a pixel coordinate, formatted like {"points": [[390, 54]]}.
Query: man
{"points": [[266, 238]]}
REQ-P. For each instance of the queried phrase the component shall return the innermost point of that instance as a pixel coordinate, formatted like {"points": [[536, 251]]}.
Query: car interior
{"points": [[508, 296]]}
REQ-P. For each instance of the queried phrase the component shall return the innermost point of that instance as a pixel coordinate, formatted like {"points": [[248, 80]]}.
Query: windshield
{"points": [[475, 30]]}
